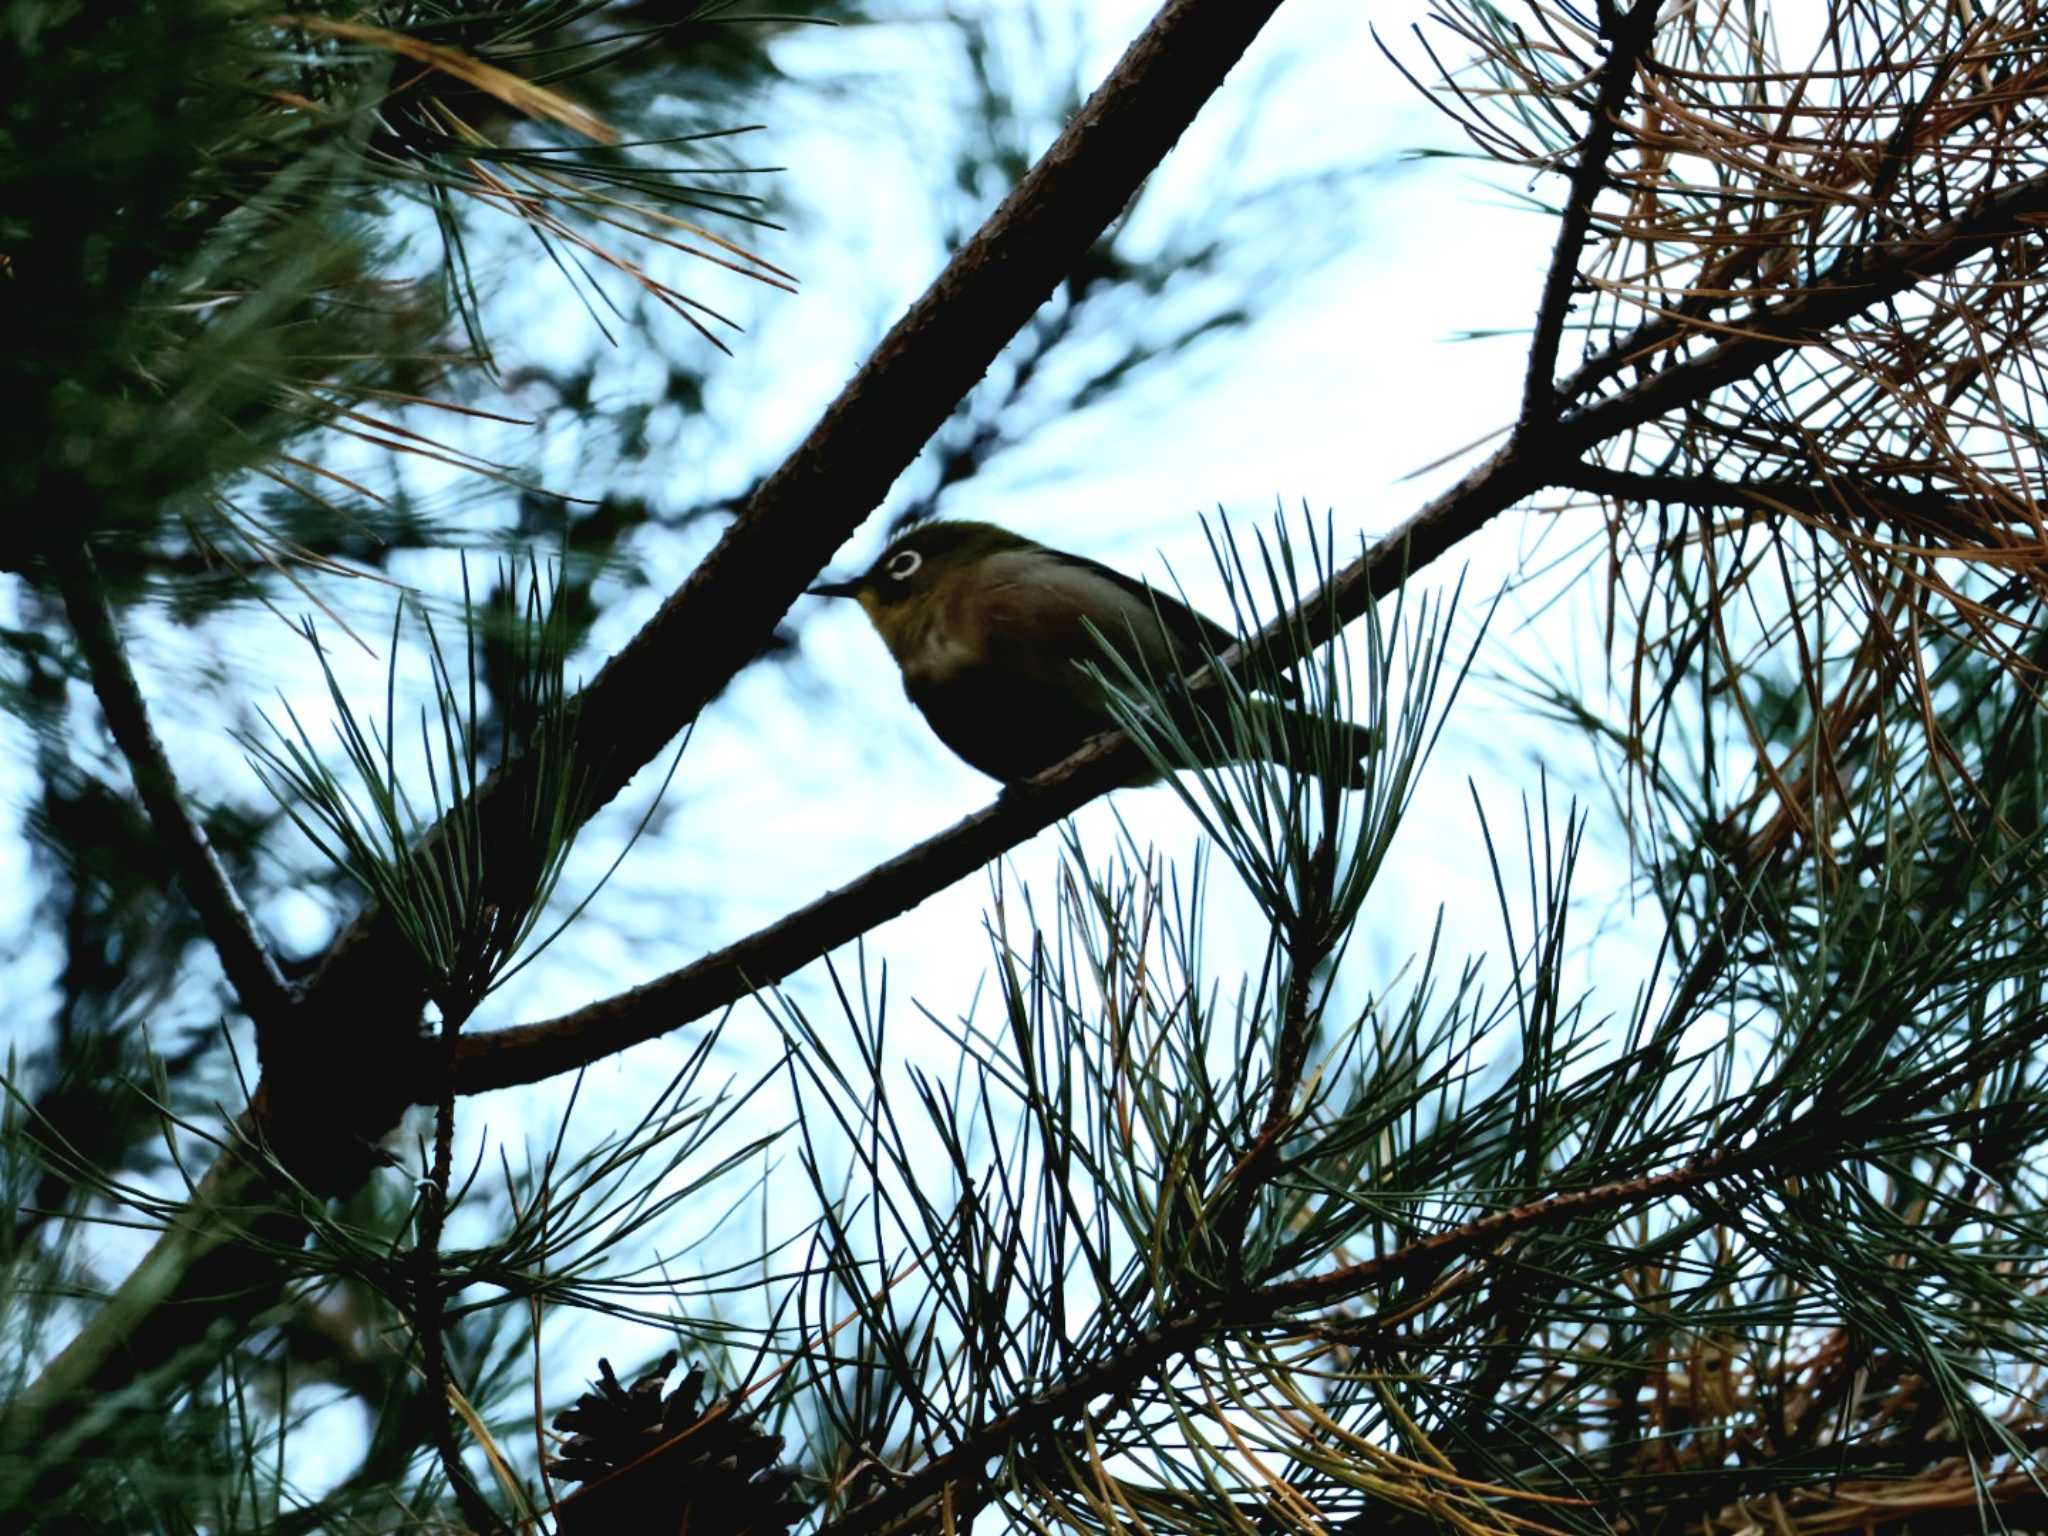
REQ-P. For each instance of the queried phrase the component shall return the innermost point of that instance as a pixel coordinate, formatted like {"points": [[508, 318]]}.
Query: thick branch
{"points": [[722, 616], [259, 986], [530, 1052], [1628, 39]]}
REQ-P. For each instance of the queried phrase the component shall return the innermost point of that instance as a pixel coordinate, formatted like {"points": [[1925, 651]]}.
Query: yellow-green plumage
{"points": [[992, 633]]}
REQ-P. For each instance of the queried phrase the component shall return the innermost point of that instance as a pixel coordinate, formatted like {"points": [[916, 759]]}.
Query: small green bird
{"points": [[992, 632]]}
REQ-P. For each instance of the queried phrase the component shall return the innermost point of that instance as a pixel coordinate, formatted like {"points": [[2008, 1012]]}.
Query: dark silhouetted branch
{"points": [[259, 986], [530, 1052], [1628, 39]]}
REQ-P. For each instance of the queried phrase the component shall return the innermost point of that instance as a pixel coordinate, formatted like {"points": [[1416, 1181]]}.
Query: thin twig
{"points": [[428, 1301], [1629, 38], [1820, 503], [529, 1053], [245, 959]]}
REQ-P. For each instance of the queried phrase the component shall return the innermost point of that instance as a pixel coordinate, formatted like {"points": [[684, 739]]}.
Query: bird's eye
{"points": [[902, 567]]}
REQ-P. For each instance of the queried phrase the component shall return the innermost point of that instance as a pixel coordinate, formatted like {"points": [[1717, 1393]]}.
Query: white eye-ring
{"points": [[904, 566]]}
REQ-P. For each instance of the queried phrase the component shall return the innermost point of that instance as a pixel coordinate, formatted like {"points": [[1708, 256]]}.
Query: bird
{"points": [[994, 634]]}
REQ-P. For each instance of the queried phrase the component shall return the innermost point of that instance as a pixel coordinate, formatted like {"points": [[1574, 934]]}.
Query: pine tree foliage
{"points": [[1198, 1226]]}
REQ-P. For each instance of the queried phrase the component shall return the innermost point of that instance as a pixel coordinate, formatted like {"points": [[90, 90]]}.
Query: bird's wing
{"points": [[1195, 636], [1037, 602], [1192, 632]]}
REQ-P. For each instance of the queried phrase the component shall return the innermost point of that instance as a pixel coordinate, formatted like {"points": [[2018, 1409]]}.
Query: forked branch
{"points": [[724, 613]]}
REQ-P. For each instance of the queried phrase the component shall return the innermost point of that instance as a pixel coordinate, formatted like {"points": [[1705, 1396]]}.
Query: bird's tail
{"points": [[1285, 734], [1308, 743]]}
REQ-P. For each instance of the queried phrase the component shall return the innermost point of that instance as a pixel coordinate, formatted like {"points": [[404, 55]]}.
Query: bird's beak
{"points": [[836, 588]]}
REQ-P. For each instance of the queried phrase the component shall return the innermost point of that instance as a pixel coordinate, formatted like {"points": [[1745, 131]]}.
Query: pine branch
{"points": [[1629, 37], [246, 960], [1684, 314], [1862, 278], [1856, 281], [1290, 1055], [370, 996], [530, 1052], [725, 612], [1805, 1142], [163, 1323], [1118, 1373]]}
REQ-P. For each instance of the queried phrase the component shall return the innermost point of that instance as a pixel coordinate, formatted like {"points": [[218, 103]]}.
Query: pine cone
{"points": [[658, 1466]]}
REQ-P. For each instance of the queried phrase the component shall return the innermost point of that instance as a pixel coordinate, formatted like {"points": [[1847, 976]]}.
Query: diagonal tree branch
{"points": [[1530, 462], [726, 611], [529, 1053], [259, 986], [1863, 277], [1718, 285]]}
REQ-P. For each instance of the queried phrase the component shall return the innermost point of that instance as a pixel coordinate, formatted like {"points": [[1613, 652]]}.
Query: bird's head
{"points": [[919, 568]]}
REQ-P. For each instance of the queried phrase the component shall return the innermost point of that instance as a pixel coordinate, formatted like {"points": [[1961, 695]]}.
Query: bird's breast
{"points": [[929, 646], [938, 656]]}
